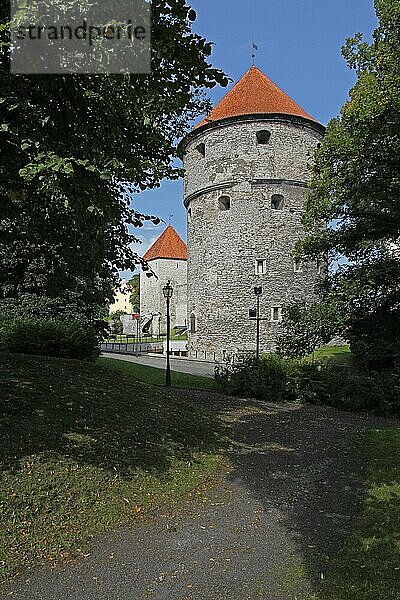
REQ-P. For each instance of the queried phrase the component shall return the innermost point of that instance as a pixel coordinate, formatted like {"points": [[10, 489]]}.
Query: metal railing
{"points": [[131, 344]]}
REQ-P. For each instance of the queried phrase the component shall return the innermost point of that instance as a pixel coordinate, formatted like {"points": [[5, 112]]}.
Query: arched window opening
{"points": [[201, 149], [263, 136], [192, 323], [277, 202], [224, 203]]}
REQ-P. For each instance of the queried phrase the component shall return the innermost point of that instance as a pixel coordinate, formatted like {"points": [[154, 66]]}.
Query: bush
{"points": [[49, 337], [116, 323], [375, 340], [345, 387], [350, 389], [269, 378], [33, 306], [307, 327]]}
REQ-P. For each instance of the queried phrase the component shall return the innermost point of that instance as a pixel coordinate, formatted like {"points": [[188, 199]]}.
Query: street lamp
{"points": [[258, 293], [167, 291]]}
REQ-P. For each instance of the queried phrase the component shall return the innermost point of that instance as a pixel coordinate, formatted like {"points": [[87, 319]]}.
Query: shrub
{"points": [[342, 386], [49, 337], [350, 389], [375, 340], [34, 306], [270, 378], [307, 327], [116, 323]]}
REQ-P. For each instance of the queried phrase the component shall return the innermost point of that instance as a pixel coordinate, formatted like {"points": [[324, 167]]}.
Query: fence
{"points": [[130, 344]]}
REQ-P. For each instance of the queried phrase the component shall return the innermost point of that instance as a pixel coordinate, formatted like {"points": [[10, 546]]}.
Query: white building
{"points": [[122, 299]]}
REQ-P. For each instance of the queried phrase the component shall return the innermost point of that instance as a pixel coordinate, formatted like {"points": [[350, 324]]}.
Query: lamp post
{"points": [[258, 293], [167, 291]]}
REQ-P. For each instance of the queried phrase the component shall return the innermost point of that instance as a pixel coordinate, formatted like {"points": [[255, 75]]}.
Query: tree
{"points": [[305, 328], [74, 150], [356, 187], [134, 299]]}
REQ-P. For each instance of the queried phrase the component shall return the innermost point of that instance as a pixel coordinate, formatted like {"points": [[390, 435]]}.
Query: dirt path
{"points": [[292, 496]]}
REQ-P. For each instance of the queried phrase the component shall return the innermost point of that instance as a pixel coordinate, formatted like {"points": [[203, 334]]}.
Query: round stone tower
{"points": [[245, 178]]}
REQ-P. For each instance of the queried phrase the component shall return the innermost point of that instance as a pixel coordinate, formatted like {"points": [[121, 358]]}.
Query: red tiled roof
{"points": [[168, 245], [254, 93]]}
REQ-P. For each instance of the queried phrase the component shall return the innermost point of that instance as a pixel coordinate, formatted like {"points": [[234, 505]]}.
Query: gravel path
{"points": [[292, 494]]}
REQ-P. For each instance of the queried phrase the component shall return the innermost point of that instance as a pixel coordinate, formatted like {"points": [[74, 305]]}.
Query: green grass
{"points": [[156, 376], [369, 566], [86, 448], [332, 355]]}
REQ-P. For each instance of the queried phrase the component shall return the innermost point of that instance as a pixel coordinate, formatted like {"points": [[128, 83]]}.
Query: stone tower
{"points": [[167, 258], [245, 177]]}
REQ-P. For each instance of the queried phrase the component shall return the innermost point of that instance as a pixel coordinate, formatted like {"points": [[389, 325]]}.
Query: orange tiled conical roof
{"points": [[253, 94], [168, 245]]}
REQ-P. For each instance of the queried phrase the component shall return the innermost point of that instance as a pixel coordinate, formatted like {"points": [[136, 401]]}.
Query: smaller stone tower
{"points": [[167, 258]]}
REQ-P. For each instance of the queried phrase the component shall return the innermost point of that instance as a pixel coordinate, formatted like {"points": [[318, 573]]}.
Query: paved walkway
{"points": [[293, 494], [182, 365]]}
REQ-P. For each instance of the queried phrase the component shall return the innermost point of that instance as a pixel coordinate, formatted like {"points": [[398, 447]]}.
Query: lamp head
{"points": [[167, 290]]}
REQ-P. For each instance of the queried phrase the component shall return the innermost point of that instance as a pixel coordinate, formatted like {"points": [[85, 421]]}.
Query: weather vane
{"points": [[170, 218], [254, 47]]}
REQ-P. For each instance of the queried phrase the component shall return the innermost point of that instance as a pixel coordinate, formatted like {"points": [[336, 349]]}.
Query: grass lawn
{"points": [[86, 448], [332, 355], [156, 376], [369, 566]]}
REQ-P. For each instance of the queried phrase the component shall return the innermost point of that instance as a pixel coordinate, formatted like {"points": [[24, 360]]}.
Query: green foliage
{"points": [[116, 323], [134, 299], [75, 148], [348, 388], [375, 340], [343, 386], [66, 339], [41, 307], [35, 324], [356, 186], [269, 378], [305, 328]]}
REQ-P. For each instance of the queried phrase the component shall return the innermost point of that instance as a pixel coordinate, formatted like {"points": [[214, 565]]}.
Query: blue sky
{"points": [[299, 44]]}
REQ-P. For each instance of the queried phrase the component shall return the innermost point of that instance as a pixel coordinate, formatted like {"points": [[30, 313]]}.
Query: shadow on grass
{"points": [[92, 415]]}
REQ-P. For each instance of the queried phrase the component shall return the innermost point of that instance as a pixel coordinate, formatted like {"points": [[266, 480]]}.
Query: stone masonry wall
{"points": [[224, 245], [152, 300]]}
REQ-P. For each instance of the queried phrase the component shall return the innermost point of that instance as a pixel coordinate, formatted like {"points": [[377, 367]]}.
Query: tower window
{"points": [[261, 266], [201, 149], [192, 323], [276, 313], [297, 266], [224, 203], [277, 202], [321, 266], [263, 136]]}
